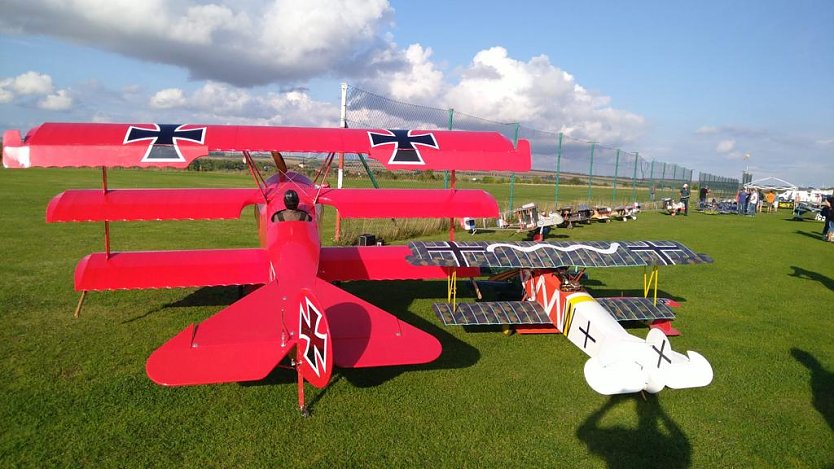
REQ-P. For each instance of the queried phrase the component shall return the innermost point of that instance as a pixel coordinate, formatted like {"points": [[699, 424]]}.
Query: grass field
{"points": [[74, 391]]}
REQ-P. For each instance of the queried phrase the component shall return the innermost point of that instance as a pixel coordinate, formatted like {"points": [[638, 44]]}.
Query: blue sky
{"points": [[700, 84]]}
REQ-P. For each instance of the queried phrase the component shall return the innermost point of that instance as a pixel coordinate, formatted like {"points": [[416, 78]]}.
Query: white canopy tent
{"points": [[771, 184]]}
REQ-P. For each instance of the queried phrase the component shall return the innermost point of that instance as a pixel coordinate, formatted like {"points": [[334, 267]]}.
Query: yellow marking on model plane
{"points": [[570, 308]]}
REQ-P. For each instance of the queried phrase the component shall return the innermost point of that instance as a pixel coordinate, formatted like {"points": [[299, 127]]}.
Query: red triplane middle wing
{"points": [[177, 145]]}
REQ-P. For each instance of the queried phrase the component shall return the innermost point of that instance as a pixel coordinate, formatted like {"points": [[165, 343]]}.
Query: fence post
{"points": [[634, 177], [591, 171], [512, 175], [558, 172], [616, 170], [446, 172]]}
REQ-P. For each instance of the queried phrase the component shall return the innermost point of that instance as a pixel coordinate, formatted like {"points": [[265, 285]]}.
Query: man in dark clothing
{"points": [[685, 199], [291, 213], [702, 196]]}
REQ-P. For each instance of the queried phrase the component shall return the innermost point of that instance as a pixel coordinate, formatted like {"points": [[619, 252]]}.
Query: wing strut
{"points": [[256, 175]]}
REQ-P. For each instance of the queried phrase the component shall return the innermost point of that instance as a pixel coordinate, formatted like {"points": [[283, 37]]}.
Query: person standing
{"points": [[685, 199], [771, 201], [702, 196], [826, 219], [753, 202], [742, 202]]}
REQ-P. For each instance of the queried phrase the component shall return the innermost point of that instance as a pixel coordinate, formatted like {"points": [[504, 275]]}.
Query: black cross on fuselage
{"points": [[660, 251], [404, 150], [660, 355], [165, 134], [587, 333], [456, 251]]}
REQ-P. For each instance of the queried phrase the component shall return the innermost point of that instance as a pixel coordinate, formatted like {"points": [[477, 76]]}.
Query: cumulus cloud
{"points": [[725, 146], [28, 86], [500, 88], [245, 43], [216, 102], [167, 99], [58, 101]]}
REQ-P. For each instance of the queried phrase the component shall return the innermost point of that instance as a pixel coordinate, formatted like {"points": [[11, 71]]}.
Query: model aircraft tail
{"points": [[630, 366]]}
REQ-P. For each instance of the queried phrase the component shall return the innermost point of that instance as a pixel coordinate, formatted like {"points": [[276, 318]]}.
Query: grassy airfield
{"points": [[74, 391]]}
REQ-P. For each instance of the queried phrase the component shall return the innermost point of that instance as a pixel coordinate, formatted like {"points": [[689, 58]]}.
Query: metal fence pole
{"points": [[634, 177], [591, 171], [616, 170], [512, 175], [558, 172]]}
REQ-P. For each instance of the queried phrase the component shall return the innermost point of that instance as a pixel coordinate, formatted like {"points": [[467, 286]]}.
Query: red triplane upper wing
{"points": [[177, 145]]}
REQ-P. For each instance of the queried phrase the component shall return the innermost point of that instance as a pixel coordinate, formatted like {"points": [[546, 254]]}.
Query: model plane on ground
{"points": [[297, 312]]}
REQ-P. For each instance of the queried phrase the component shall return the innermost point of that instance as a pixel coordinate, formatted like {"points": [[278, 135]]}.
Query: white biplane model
{"points": [[553, 297]]}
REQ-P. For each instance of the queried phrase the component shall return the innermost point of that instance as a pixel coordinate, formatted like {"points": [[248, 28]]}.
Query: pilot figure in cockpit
{"points": [[291, 213]]}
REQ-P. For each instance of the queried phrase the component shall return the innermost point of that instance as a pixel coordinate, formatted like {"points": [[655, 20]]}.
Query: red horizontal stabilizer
{"points": [[379, 263], [150, 204], [243, 342], [154, 145], [410, 203], [365, 336], [172, 269]]}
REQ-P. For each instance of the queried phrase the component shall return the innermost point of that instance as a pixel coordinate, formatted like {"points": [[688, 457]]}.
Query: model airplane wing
{"points": [[150, 204], [552, 254], [177, 145], [410, 203]]}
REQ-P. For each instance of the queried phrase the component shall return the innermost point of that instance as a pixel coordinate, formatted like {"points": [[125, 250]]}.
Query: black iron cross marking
{"points": [[587, 333], [660, 355], [405, 151], [661, 251], [456, 251], [164, 139], [315, 351]]}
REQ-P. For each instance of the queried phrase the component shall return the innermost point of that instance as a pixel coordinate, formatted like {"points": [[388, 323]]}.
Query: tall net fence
{"points": [[566, 171], [719, 187]]}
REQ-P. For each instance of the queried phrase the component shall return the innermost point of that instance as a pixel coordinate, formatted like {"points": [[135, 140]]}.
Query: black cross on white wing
{"points": [[405, 145], [660, 355], [587, 332]]}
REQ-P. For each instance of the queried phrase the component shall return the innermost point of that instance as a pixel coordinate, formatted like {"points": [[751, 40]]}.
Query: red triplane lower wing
{"points": [[172, 269], [150, 204], [219, 267], [410, 203], [177, 145]]}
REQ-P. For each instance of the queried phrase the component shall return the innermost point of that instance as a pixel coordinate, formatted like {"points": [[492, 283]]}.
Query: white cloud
{"points": [[28, 86], [167, 99], [58, 101], [244, 43], [725, 146], [499, 88], [31, 83]]}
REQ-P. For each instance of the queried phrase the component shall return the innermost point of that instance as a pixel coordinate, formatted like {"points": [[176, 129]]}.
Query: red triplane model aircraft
{"points": [[298, 308]]}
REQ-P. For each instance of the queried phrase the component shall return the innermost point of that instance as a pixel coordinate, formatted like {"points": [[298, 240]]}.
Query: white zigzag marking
{"points": [[575, 247]]}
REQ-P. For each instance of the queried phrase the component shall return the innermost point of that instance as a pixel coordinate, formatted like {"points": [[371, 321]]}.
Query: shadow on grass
{"points": [[396, 297], [799, 272], [810, 234], [206, 296], [656, 441], [822, 385]]}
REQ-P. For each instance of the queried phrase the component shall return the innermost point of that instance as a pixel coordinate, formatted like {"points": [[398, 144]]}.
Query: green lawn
{"points": [[74, 391]]}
